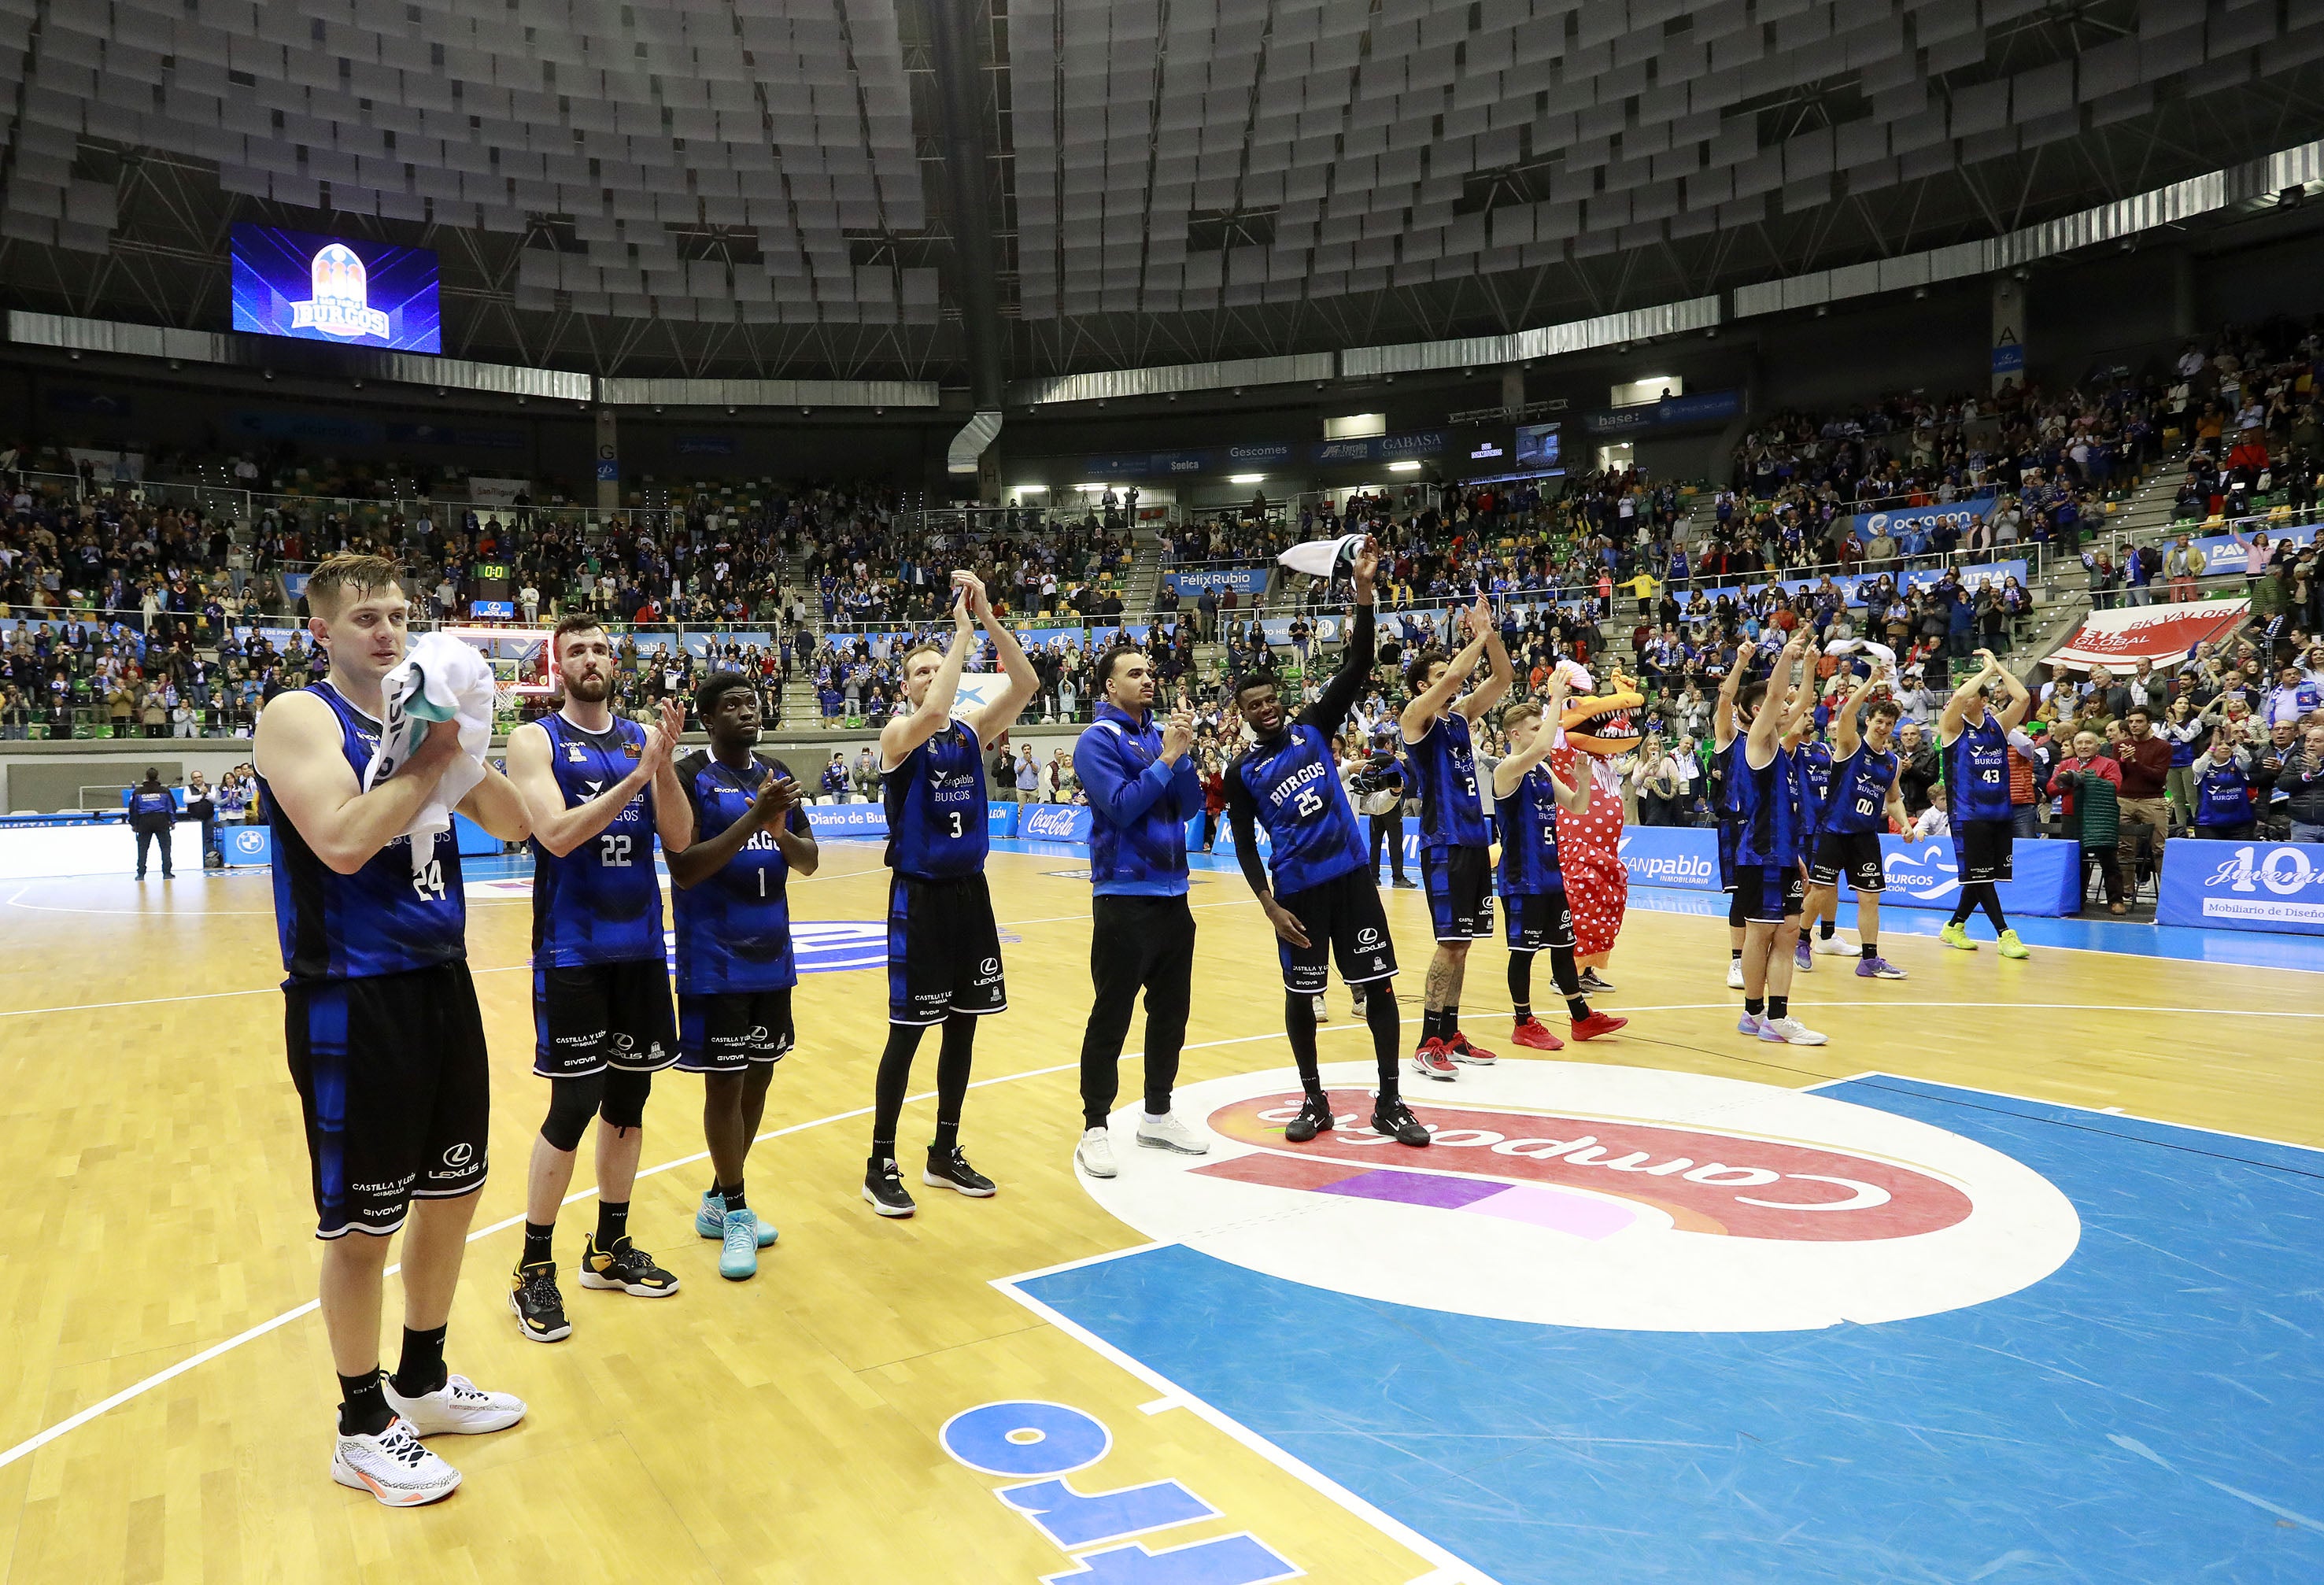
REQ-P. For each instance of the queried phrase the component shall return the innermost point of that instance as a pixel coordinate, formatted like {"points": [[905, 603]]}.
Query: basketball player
{"points": [[1865, 798], [1976, 759], [1763, 793], [1142, 791], [735, 970], [385, 1044], [943, 950], [1325, 902], [1811, 764], [1456, 838], [1729, 720], [1528, 795], [600, 790]]}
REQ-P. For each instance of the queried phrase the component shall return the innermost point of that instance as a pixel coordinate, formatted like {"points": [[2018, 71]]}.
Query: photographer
{"points": [[1376, 785]]}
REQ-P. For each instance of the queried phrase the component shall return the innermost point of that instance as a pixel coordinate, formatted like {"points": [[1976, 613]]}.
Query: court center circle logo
{"points": [[1574, 1194]]}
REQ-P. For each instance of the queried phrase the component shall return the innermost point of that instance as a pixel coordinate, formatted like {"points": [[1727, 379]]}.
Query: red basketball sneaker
{"points": [[1431, 1061], [1457, 1047], [1597, 1024], [1533, 1035]]}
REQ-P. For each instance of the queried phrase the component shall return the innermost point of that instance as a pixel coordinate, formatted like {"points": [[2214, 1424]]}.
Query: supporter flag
{"points": [[2164, 634]]}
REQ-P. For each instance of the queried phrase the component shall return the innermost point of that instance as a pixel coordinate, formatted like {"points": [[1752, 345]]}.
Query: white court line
{"points": [[1450, 1568], [74, 1422]]}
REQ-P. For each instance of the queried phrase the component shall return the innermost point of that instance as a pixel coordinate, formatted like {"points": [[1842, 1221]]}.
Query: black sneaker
{"points": [[540, 1307], [624, 1266], [883, 1188], [949, 1169], [1401, 884], [1591, 979], [1315, 1116], [1395, 1119]]}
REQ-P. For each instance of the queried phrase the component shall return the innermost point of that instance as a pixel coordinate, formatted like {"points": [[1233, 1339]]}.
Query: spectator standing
{"points": [[1028, 779], [203, 806], [2146, 778], [2087, 784], [1920, 772], [2300, 785], [2223, 790], [153, 815]]}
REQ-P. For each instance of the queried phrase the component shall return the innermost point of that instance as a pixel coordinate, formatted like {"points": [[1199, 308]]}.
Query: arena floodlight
{"points": [[1246, 478]]}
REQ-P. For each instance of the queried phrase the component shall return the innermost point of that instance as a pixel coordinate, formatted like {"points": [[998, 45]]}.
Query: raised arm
{"points": [[2020, 701], [1771, 721], [1722, 711], [297, 751], [1948, 722], [1512, 770], [1845, 736], [1492, 690], [1340, 695], [1430, 701], [673, 811], [905, 734], [1000, 714], [557, 829]]}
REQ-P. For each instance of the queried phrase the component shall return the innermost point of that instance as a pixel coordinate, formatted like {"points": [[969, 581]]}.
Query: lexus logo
{"points": [[757, 1035], [624, 1043], [989, 967], [460, 1155], [1367, 936]]}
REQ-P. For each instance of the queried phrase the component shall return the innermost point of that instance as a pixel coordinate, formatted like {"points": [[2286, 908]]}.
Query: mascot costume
{"points": [[1597, 729]]}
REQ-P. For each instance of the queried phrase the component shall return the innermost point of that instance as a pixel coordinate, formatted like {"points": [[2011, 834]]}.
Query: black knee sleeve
{"points": [[572, 1102], [1735, 919], [624, 1106]]}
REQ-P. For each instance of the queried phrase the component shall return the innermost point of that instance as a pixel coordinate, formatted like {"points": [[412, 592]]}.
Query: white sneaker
{"points": [[394, 1467], [1835, 945], [1734, 973], [1095, 1154], [1168, 1133], [459, 1407], [1321, 1016], [1789, 1032]]}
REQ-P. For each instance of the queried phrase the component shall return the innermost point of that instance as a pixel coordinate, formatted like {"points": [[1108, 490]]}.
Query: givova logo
{"points": [[1579, 1195]]}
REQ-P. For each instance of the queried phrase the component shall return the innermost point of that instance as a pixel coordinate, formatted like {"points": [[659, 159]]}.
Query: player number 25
{"points": [[1308, 802]]}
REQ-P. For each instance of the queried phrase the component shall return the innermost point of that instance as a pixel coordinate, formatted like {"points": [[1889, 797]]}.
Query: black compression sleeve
{"points": [[1347, 685], [1243, 818]]}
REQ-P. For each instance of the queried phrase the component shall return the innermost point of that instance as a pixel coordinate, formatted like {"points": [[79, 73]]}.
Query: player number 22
{"points": [[613, 853]]}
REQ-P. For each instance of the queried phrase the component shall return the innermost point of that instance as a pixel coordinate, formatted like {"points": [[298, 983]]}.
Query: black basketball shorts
{"points": [[1985, 850], [1342, 920], [1538, 920], [727, 1031], [396, 1090], [1853, 853], [943, 950], [592, 1017], [1771, 893], [1459, 881]]}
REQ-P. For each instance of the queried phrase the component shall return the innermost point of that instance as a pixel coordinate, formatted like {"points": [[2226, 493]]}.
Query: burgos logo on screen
{"points": [[342, 302], [1576, 1195]]}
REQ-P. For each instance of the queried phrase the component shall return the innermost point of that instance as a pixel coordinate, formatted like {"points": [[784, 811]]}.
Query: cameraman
{"points": [[1376, 785]]}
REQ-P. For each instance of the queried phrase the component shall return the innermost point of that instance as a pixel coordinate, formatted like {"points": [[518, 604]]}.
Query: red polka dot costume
{"points": [[1597, 886]]}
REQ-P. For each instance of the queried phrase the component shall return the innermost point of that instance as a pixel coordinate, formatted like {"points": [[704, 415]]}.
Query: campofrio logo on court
{"points": [[1581, 1196]]}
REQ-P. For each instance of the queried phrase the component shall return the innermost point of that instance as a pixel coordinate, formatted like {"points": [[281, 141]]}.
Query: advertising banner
{"points": [[2221, 554], [1852, 589], [2276, 885], [2163, 634], [1710, 407], [1052, 823], [351, 290], [1378, 448], [847, 820], [1920, 875], [246, 844], [1243, 580], [489, 491], [1971, 508]]}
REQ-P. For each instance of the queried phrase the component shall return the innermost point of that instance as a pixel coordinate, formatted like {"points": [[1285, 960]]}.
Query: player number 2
{"points": [[613, 853], [430, 882]]}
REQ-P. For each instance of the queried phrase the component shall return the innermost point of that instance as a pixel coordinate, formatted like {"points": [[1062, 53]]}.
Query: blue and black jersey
{"points": [[1444, 765], [1767, 808], [1812, 765], [1291, 784], [602, 902], [385, 919], [1976, 772], [2222, 792], [1528, 821], [734, 927], [1860, 792], [937, 821]]}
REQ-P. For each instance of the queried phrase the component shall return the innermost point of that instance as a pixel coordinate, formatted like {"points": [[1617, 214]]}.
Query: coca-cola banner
{"points": [[2163, 634]]}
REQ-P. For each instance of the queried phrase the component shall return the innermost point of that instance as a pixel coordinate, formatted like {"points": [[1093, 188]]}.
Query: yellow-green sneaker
{"points": [[2011, 948], [1957, 937]]}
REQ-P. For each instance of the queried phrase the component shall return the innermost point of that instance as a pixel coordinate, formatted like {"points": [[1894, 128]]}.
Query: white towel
{"points": [[1849, 646], [1320, 558], [441, 678]]}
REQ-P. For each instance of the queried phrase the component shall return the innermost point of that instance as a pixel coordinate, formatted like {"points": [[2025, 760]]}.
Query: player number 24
{"points": [[430, 882]]}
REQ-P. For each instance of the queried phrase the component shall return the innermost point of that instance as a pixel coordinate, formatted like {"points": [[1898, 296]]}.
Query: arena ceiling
{"points": [[965, 191]]}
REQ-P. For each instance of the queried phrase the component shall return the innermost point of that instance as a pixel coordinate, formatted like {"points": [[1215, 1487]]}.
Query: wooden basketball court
{"points": [[160, 1270]]}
